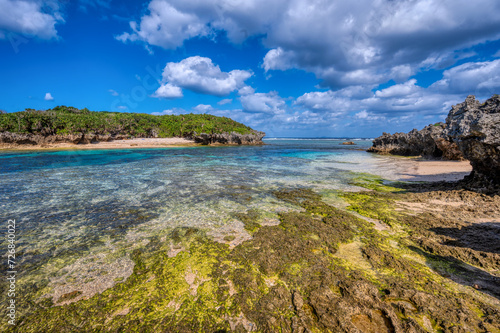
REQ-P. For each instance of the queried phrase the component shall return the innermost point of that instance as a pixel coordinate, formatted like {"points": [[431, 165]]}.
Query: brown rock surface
{"points": [[475, 129]]}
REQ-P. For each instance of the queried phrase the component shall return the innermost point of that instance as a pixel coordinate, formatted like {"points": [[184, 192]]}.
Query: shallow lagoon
{"points": [[79, 213]]}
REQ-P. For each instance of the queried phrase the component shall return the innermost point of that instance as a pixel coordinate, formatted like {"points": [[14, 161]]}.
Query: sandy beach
{"points": [[431, 171], [116, 144]]}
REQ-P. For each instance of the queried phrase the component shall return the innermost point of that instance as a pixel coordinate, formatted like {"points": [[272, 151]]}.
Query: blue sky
{"points": [[296, 68]]}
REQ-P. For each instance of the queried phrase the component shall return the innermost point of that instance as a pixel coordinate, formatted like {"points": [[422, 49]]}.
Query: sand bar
{"points": [[116, 144]]}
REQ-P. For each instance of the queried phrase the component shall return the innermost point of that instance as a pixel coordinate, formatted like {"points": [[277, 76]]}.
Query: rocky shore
{"points": [[10, 140], [471, 132], [417, 259], [255, 138]]}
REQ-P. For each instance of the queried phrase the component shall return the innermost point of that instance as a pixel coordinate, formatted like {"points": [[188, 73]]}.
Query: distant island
{"points": [[69, 125]]}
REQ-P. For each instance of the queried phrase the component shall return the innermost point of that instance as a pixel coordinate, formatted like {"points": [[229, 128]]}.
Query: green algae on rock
{"points": [[291, 277]]}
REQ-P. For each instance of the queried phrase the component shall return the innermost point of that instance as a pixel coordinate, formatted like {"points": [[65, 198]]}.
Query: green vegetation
{"points": [[372, 182], [68, 120]]}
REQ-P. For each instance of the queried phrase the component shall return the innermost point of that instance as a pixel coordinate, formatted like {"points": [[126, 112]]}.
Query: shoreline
{"points": [[115, 144], [419, 170]]}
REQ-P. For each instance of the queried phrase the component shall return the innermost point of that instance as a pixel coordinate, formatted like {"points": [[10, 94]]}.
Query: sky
{"points": [[290, 68]]}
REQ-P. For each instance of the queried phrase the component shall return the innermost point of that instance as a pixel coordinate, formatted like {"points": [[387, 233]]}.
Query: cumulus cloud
{"points": [[48, 97], [165, 26], [478, 78], [168, 91], [398, 90], [203, 108], [30, 18], [270, 103], [343, 43], [200, 75]]}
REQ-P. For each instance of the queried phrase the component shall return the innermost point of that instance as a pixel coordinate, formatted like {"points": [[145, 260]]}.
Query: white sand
{"points": [[418, 170], [116, 144]]}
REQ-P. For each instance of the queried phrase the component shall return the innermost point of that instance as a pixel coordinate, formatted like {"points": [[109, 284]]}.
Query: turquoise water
{"points": [[72, 204]]}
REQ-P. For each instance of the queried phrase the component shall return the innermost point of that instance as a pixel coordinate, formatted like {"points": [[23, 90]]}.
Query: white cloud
{"points": [[29, 18], [278, 59], [48, 97], [270, 103], [343, 43], [165, 26], [203, 108], [394, 101], [200, 75], [122, 107], [477, 78], [225, 101], [168, 91], [246, 90], [398, 90]]}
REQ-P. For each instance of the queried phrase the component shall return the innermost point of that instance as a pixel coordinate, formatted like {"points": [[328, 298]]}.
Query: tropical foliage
{"points": [[69, 120]]}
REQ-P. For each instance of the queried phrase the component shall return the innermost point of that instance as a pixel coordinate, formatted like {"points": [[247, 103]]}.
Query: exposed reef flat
{"points": [[430, 263]]}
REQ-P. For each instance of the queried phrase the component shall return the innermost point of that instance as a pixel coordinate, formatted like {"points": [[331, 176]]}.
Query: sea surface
{"points": [[72, 204]]}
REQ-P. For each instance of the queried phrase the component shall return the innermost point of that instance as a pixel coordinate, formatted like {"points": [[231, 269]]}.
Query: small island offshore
{"points": [[382, 256], [68, 127]]}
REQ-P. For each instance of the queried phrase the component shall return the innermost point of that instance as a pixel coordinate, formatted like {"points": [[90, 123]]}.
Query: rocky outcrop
{"points": [[8, 139], [475, 129], [348, 143], [21, 139], [472, 132], [431, 141], [255, 138]]}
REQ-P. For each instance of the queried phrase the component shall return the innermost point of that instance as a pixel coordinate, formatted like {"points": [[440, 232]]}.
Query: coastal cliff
{"points": [[73, 126], [471, 132]]}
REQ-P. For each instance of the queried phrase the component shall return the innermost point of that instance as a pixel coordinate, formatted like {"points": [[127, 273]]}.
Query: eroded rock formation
{"points": [[427, 142], [16, 139], [472, 132], [233, 138], [475, 129]]}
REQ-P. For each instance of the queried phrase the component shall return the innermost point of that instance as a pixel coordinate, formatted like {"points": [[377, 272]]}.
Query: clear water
{"points": [[72, 203]]}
